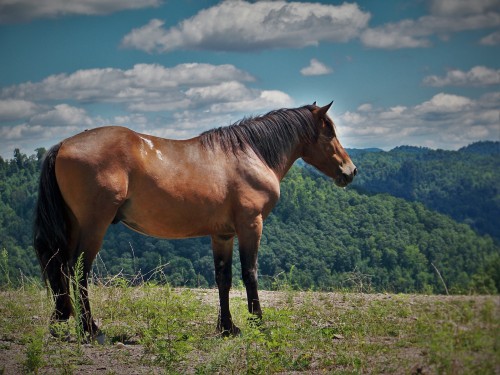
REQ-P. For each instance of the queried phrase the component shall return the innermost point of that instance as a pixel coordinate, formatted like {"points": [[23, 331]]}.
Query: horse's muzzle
{"points": [[344, 178]]}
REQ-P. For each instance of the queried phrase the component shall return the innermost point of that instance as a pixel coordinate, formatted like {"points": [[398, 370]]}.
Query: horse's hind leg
{"points": [[88, 242], [59, 285], [57, 276]]}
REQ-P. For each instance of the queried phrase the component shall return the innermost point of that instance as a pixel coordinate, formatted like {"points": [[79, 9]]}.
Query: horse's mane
{"points": [[270, 136]]}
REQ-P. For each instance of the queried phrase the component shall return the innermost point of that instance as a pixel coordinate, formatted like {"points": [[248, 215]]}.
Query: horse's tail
{"points": [[50, 226]]}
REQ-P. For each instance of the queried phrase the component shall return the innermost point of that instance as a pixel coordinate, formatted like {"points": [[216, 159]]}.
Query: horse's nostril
{"points": [[355, 172], [347, 177]]}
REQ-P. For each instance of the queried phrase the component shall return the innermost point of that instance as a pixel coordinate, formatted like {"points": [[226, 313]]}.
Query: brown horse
{"points": [[222, 184]]}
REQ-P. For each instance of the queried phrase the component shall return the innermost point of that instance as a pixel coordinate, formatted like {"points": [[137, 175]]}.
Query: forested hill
{"points": [[463, 184], [318, 237]]}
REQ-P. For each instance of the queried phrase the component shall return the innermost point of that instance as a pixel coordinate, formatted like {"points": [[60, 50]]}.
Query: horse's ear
{"points": [[322, 111], [314, 104]]}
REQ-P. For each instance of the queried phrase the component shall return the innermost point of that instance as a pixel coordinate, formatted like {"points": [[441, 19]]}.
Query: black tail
{"points": [[50, 226]]}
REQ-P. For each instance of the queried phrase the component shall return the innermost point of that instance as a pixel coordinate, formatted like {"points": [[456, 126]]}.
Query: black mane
{"points": [[270, 136]]}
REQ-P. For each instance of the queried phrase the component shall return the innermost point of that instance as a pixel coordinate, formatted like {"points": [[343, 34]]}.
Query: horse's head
{"points": [[326, 153]]}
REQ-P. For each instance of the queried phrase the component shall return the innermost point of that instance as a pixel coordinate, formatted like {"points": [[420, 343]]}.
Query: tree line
{"points": [[383, 234]]}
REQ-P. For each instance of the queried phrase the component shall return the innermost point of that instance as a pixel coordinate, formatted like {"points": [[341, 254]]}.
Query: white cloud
{"points": [[447, 17], [492, 39], [365, 107], [185, 124], [392, 36], [25, 10], [14, 109], [476, 76], [443, 103], [45, 128], [20, 131], [222, 92], [262, 100], [145, 87], [315, 68], [393, 112], [63, 115], [462, 7], [443, 121], [242, 26], [353, 118], [134, 119]]}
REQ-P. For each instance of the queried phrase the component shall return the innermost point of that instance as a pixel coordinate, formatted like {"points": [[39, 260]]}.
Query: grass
{"points": [[74, 292], [157, 329]]}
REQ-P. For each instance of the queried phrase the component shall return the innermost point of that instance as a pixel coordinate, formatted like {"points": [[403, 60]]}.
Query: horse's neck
{"points": [[288, 160]]}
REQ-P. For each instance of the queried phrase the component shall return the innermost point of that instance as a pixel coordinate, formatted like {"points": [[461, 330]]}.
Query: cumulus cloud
{"points": [[261, 99], [315, 68], [237, 25], [444, 121], [63, 115], [365, 107], [145, 87], [476, 76], [14, 109], [25, 10], [446, 17], [462, 7], [20, 131], [59, 121], [492, 39], [185, 124], [443, 103], [393, 36], [241, 26]]}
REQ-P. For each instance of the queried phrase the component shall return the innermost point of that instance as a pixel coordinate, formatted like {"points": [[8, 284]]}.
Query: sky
{"points": [[421, 72]]}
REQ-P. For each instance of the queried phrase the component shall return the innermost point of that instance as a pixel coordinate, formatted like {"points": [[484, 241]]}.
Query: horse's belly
{"points": [[178, 221]]}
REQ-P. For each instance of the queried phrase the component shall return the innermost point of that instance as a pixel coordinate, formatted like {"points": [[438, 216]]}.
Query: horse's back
{"points": [[91, 146]]}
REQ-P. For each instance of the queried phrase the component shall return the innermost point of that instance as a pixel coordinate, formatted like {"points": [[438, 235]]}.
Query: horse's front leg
{"points": [[249, 240], [222, 247]]}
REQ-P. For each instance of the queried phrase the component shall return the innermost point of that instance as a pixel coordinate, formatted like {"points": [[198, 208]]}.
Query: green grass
{"points": [[158, 329]]}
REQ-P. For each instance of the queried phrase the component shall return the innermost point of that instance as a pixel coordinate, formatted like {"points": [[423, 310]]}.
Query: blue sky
{"points": [[422, 72]]}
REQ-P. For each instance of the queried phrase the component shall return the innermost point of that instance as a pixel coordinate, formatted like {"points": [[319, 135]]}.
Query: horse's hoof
{"points": [[255, 321], [60, 330], [236, 331], [100, 338], [232, 332]]}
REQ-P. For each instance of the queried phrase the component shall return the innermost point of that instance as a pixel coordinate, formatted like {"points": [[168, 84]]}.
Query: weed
{"points": [[487, 312], [4, 269], [74, 285], [34, 352]]}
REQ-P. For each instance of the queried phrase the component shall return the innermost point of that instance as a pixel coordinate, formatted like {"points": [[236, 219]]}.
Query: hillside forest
{"points": [[414, 220]]}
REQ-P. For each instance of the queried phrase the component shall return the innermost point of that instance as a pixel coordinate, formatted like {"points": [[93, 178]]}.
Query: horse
{"points": [[222, 183]]}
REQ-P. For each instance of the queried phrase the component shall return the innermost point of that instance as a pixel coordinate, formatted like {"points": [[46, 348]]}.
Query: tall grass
{"points": [[74, 292], [4, 269]]}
